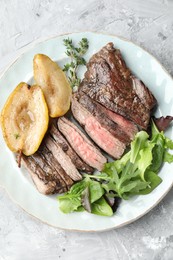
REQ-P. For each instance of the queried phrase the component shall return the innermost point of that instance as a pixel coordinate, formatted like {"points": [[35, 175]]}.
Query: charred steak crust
{"points": [[62, 142], [48, 182], [109, 82], [48, 156], [49, 172]]}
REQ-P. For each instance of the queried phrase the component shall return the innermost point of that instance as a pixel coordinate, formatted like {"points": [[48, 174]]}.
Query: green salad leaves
{"points": [[135, 173]]}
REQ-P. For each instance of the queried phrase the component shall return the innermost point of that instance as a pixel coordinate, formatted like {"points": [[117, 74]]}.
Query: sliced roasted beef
{"points": [[45, 187], [63, 159], [65, 146], [46, 178], [81, 144], [109, 82], [100, 135], [126, 125], [49, 157], [98, 112]]}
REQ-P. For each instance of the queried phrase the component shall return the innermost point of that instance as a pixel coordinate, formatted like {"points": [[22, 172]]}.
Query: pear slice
{"points": [[57, 91], [24, 119]]}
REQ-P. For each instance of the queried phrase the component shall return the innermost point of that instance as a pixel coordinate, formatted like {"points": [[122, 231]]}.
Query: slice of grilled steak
{"points": [[81, 144], [98, 112], [109, 81], [63, 159], [65, 146], [46, 154], [100, 135], [126, 125], [46, 178]]}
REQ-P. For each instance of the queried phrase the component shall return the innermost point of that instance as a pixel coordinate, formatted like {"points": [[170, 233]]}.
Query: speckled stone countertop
{"points": [[148, 23]]}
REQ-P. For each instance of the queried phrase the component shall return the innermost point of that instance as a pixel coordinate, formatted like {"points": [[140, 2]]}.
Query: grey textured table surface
{"points": [[148, 23]]}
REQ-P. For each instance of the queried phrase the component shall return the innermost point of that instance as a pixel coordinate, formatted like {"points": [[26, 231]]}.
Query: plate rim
{"points": [[31, 46], [89, 231]]}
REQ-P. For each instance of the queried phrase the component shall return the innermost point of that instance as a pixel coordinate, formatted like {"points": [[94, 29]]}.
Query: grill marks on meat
{"points": [[65, 146], [45, 187], [81, 144], [48, 156], [52, 169], [46, 177], [109, 81], [63, 159], [143, 93], [100, 135]]}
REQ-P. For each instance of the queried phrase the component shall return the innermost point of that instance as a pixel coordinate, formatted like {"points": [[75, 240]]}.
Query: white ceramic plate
{"points": [[17, 182]]}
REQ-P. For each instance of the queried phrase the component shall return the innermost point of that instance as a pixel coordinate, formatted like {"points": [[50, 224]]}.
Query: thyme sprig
{"points": [[77, 59]]}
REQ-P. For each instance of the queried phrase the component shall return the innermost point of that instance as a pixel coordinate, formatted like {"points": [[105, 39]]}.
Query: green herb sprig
{"points": [[77, 59]]}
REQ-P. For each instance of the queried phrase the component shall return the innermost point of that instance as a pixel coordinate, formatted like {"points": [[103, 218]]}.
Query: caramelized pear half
{"points": [[24, 119], [57, 91]]}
